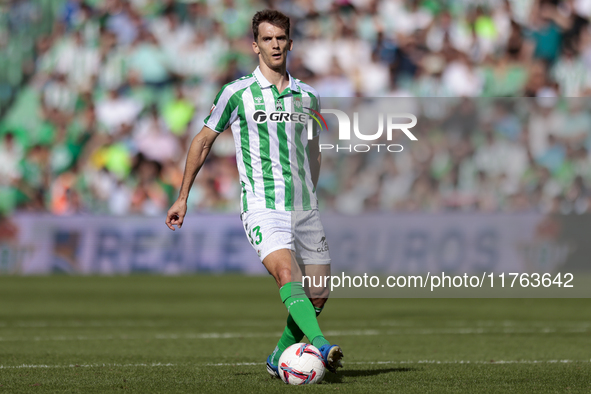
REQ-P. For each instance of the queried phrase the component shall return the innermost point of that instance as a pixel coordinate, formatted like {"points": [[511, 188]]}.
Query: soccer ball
{"points": [[301, 364]]}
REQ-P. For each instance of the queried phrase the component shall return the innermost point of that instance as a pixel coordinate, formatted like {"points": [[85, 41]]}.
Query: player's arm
{"points": [[198, 151], [315, 159]]}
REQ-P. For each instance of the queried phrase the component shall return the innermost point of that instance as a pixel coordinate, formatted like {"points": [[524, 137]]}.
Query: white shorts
{"points": [[269, 230]]}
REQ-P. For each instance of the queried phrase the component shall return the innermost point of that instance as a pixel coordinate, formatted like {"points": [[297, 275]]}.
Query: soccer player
{"points": [[279, 167]]}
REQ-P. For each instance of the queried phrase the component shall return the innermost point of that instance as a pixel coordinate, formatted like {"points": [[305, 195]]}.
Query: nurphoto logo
{"points": [[392, 124]]}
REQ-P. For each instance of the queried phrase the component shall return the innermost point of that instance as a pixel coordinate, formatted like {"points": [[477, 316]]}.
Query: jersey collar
{"points": [[264, 82]]}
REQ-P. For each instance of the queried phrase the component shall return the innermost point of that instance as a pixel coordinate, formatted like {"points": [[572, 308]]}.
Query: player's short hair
{"points": [[273, 17]]}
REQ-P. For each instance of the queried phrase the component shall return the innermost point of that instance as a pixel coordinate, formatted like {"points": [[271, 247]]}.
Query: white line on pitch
{"points": [[118, 323], [425, 362], [84, 365], [491, 362], [470, 362], [451, 324], [228, 335]]}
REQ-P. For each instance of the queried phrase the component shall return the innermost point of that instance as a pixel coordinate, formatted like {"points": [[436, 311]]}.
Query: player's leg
{"points": [[316, 280], [312, 251], [292, 333], [302, 314], [270, 234], [311, 257], [282, 265]]}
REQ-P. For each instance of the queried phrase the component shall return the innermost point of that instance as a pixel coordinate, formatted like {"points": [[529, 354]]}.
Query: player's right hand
{"points": [[176, 214]]}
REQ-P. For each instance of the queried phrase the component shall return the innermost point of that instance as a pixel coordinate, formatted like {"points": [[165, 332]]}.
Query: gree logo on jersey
{"points": [[279, 116]]}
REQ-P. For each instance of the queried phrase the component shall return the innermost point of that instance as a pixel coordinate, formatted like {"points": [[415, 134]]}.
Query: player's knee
{"points": [[318, 302], [319, 292], [283, 276]]}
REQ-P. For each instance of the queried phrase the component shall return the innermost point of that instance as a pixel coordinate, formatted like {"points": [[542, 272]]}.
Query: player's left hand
{"points": [[176, 214]]}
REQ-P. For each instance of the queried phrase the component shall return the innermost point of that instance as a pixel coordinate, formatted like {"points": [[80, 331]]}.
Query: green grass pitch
{"points": [[199, 334]]}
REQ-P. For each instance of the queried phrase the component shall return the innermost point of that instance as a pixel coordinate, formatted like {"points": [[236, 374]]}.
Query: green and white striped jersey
{"points": [[271, 140]]}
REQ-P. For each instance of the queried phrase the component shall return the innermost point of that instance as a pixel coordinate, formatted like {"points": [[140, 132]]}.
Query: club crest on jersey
{"points": [[297, 102], [278, 106]]}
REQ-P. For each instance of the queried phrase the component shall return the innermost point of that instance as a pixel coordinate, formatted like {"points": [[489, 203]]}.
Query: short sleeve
{"points": [[223, 111]]}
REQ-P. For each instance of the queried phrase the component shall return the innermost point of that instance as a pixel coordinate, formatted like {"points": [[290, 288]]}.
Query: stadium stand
{"points": [[100, 99]]}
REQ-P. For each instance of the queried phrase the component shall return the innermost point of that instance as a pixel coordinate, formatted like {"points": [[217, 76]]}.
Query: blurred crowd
{"points": [[485, 154], [120, 87]]}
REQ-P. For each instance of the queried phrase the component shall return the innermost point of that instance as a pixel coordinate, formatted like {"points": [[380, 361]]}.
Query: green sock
{"points": [[301, 309], [319, 341], [291, 335]]}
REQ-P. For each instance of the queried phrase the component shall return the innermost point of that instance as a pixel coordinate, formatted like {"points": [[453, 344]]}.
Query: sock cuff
{"points": [[291, 289], [318, 310], [319, 341]]}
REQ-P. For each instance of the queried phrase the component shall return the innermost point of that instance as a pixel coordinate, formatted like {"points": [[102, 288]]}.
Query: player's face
{"points": [[272, 45]]}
